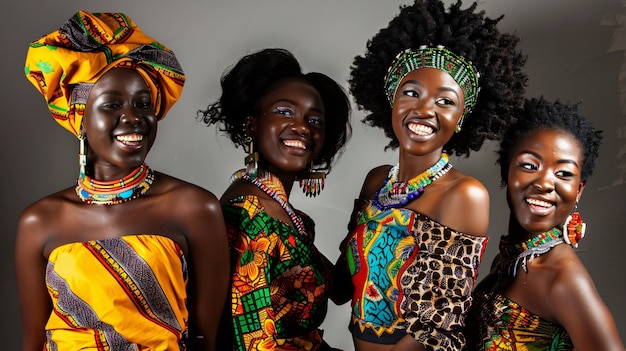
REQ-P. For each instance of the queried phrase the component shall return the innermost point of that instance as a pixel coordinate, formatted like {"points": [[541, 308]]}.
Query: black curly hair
{"points": [[539, 114], [257, 74], [467, 33]]}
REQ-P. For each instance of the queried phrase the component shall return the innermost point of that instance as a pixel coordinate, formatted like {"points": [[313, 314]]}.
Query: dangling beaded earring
{"points": [[82, 156], [574, 228], [312, 182], [459, 125], [252, 158]]}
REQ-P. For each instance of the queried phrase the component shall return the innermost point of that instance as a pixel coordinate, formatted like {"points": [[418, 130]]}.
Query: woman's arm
{"points": [[408, 343], [34, 302], [580, 310], [210, 267]]}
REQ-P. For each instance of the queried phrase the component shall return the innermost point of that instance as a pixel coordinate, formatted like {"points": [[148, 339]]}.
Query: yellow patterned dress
{"points": [[125, 293]]}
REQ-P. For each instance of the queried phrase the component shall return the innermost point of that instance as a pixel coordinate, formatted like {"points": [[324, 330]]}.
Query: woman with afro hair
{"points": [[437, 81], [539, 295]]}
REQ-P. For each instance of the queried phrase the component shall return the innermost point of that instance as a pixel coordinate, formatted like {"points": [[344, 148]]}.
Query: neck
{"points": [[108, 172], [397, 193], [412, 165], [286, 178], [120, 190], [524, 252], [516, 233]]}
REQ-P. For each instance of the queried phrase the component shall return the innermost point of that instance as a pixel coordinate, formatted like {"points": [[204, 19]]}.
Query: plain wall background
{"points": [[576, 53]]}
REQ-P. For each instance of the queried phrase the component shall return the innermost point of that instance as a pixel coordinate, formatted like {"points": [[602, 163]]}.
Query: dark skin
{"points": [[291, 114], [121, 127], [542, 188], [288, 132], [427, 107]]}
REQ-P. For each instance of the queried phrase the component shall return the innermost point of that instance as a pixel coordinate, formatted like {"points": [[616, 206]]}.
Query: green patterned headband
{"points": [[434, 57]]}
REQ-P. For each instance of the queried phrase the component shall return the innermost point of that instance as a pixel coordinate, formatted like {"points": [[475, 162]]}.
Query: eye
{"points": [[144, 104], [411, 93], [565, 174], [446, 101], [316, 120], [285, 111], [111, 105], [527, 165]]}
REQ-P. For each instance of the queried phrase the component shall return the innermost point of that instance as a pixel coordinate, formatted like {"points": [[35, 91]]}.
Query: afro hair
{"points": [[466, 32]]}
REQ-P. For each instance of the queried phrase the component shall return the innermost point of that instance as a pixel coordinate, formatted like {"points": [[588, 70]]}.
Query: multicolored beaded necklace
{"points": [[526, 251], [395, 193], [271, 185], [135, 184]]}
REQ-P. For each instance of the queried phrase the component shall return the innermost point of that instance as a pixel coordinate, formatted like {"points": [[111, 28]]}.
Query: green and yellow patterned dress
{"points": [[497, 323], [279, 292]]}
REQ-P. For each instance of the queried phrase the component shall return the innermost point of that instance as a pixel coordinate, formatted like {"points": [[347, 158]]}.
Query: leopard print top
{"points": [[410, 275]]}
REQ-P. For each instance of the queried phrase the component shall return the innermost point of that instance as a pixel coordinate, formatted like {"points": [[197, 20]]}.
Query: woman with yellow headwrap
{"points": [[127, 258]]}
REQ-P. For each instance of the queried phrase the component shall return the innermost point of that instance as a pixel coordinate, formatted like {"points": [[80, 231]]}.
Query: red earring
{"points": [[574, 228]]}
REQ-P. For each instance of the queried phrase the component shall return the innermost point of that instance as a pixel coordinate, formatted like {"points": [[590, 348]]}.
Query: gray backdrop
{"points": [[576, 53]]}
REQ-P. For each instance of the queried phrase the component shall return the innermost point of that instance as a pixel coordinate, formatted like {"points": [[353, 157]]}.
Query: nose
{"points": [[300, 126], [131, 116], [424, 108], [544, 182]]}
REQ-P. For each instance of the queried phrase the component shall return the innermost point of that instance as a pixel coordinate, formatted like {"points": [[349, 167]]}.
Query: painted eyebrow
{"points": [[443, 88], [565, 160], [294, 103]]}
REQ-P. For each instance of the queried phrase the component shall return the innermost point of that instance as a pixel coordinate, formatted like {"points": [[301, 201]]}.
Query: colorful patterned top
{"points": [[279, 290], [410, 275], [125, 293], [497, 323]]}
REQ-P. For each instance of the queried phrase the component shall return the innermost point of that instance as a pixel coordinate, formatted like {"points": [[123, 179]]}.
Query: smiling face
{"points": [[427, 107], [119, 122], [289, 128], [544, 179]]}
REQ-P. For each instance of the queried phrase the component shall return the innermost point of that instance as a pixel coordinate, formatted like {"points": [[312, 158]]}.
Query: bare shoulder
{"points": [[570, 277], [241, 187], [464, 204], [576, 304], [41, 217], [183, 197], [42, 223], [373, 181], [468, 190], [192, 211]]}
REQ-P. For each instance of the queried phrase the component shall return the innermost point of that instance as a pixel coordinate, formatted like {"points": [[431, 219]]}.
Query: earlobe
{"points": [[581, 187], [250, 126], [81, 131]]}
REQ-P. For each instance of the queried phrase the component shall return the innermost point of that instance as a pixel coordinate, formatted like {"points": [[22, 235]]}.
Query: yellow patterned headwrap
{"points": [[64, 64]]}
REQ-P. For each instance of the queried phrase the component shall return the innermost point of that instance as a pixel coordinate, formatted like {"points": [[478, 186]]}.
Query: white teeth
{"points": [[130, 137], [539, 203], [295, 143], [420, 129]]}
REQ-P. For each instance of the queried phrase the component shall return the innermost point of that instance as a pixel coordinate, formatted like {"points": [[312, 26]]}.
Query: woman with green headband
{"points": [[438, 81]]}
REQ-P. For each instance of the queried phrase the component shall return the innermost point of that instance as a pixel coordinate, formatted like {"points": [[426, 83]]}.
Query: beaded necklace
{"points": [[526, 251], [271, 185], [135, 184], [395, 193]]}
